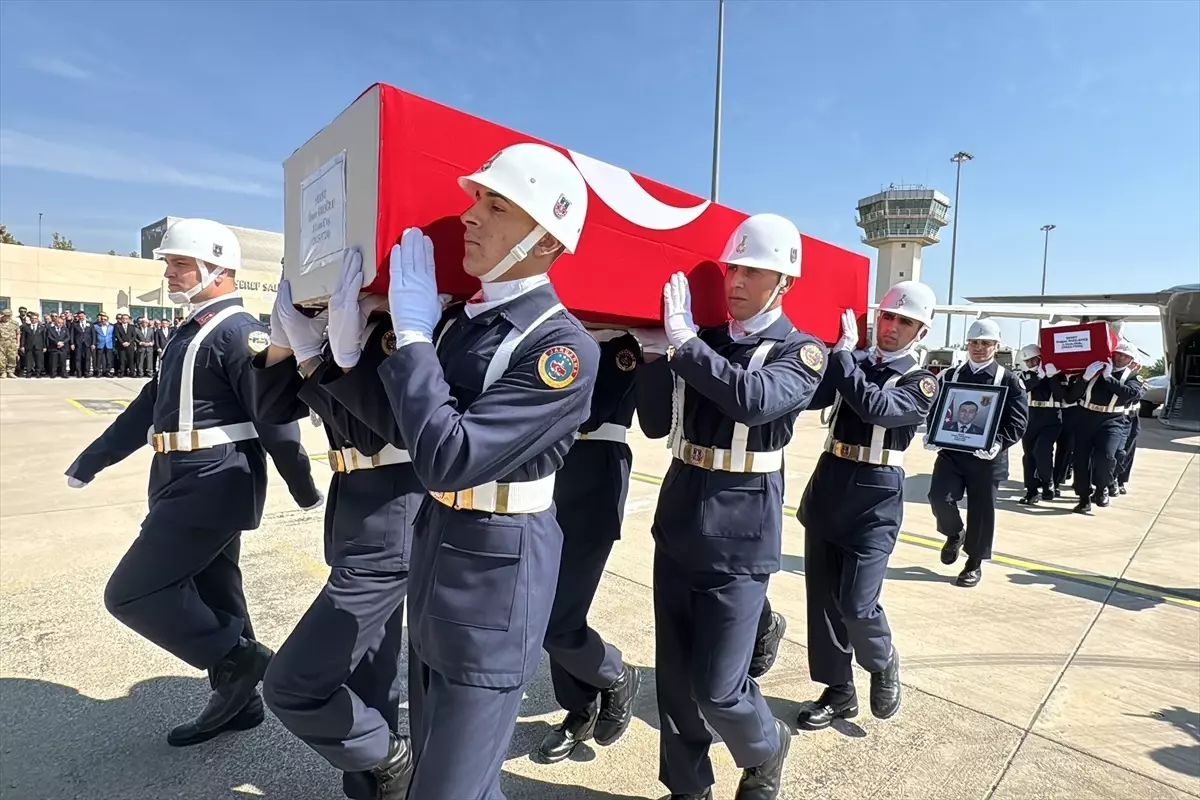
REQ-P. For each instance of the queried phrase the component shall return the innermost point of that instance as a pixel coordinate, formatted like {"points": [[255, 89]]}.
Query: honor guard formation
{"points": [[480, 472]]}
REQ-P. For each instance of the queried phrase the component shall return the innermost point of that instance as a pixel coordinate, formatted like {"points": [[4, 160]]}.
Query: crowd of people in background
{"points": [[67, 344]]}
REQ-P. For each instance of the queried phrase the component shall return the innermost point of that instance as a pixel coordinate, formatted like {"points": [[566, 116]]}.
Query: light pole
{"points": [[958, 158], [716, 161], [39, 229], [1045, 253]]}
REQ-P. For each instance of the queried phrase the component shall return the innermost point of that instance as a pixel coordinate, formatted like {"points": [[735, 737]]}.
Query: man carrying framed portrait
{"points": [[980, 412]]}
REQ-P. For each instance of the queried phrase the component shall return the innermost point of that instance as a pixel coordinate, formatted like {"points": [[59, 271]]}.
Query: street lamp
{"points": [[1046, 252], [958, 158], [716, 159], [39, 229]]}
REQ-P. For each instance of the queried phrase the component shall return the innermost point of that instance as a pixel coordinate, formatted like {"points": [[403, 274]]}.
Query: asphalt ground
{"points": [[1071, 671]]}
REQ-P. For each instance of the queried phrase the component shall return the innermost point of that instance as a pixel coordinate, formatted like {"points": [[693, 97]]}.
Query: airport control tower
{"points": [[899, 222]]}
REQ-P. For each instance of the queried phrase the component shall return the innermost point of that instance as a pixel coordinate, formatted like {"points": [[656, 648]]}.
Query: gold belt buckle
{"points": [[459, 501], [157, 442], [337, 461], [699, 456]]}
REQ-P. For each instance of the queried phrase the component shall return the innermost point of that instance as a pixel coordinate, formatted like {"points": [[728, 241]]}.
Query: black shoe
{"points": [[234, 680], [763, 782], [1121, 489], [1084, 506], [394, 773], [1100, 498], [885, 689], [616, 706], [1030, 499], [969, 577], [766, 648], [249, 717], [836, 702], [705, 795], [560, 742], [1057, 492], [950, 550], [1049, 494]]}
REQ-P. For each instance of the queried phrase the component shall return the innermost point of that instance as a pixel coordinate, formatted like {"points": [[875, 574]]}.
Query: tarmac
{"points": [[1071, 671]]}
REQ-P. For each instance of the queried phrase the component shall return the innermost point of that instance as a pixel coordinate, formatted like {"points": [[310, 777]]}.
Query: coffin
{"points": [[1071, 348], [391, 161]]}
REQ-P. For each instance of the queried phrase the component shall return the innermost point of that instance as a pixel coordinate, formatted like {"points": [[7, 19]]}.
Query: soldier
{"points": [[488, 414], [589, 500], [10, 342], [179, 584], [1106, 389], [853, 505], [980, 473], [335, 683], [727, 397], [1046, 394]]}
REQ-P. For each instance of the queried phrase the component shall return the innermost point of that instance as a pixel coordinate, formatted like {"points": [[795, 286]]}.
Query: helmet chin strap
{"points": [[876, 350], [774, 294], [206, 280], [515, 256]]}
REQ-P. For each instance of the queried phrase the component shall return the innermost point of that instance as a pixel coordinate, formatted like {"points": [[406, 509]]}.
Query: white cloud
{"points": [[52, 65], [96, 155]]}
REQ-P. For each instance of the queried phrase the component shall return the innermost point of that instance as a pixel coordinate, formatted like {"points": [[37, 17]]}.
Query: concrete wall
{"points": [[29, 275]]}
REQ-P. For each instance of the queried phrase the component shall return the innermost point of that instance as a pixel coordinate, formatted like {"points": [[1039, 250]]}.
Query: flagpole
{"points": [[716, 159]]}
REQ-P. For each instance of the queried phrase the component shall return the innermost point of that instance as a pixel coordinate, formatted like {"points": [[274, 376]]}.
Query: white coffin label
{"points": [[1073, 342], [323, 215]]}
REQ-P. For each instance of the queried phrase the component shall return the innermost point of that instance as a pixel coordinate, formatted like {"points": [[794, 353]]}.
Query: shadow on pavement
{"points": [[1122, 598], [1184, 759], [520, 787], [61, 744]]}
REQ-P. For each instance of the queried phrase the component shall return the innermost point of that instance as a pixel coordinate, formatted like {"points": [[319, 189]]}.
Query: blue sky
{"points": [[1084, 115]]}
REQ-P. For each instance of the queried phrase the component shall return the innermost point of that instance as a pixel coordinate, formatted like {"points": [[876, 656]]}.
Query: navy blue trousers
{"points": [[952, 477], [1037, 446], [705, 626], [335, 683], [181, 588], [1097, 440]]}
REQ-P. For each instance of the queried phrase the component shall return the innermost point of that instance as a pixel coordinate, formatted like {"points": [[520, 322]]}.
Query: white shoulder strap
{"points": [[449, 323], [741, 433], [188, 374], [503, 355], [996, 381], [878, 432]]}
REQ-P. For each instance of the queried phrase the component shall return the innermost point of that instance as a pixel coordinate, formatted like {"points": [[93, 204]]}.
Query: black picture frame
{"points": [[989, 404]]}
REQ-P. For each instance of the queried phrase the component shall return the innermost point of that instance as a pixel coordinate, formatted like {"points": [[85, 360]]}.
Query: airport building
{"points": [[51, 281]]}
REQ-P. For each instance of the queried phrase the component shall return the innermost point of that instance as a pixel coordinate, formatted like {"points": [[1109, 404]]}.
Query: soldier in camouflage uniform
{"points": [[10, 336]]}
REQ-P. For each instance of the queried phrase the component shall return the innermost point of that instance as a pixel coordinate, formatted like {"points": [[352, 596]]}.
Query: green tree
{"points": [[111, 253], [1157, 368], [60, 242], [6, 237], [134, 254]]}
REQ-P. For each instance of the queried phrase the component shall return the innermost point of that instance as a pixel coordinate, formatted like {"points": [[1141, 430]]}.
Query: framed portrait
{"points": [[967, 416]]}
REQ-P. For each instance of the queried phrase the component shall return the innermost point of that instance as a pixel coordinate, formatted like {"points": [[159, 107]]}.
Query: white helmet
{"points": [[911, 299], [765, 241], [985, 329], [542, 182], [1126, 347], [210, 243], [1030, 351]]}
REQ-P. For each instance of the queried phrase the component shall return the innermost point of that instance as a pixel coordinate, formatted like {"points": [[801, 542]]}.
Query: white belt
{"points": [[717, 459], [608, 432], [862, 454], [1102, 409], [185, 441], [1045, 404], [349, 459], [524, 497]]}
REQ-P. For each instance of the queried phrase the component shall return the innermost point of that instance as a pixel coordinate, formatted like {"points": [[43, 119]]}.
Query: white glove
{"points": [[849, 336], [1108, 369], [303, 333], [653, 340], [1093, 370], [1049, 370], [933, 448], [677, 311], [412, 293], [346, 317], [278, 334], [988, 455], [1040, 371], [320, 502], [75, 483]]}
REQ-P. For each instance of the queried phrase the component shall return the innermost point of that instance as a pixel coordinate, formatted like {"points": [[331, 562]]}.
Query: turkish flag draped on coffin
{"points": [[391, 161]]}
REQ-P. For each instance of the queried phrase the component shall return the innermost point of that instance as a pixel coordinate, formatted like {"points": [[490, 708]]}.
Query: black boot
{"points": [[950, 549], [1031, 498], [885, 689], [1084, 506], [394, 773], [836, 702], [971, 574], [1049, 494], [234, 680], [560, 742], [249, 717], [1100, 498], [616, 706], [705, 795], [766, 647], [1121, 489], [763, 782]]}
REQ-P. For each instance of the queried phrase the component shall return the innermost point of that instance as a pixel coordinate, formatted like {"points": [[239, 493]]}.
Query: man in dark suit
{"points": [[967, 412], [143, 340], [83, 341], [57, 339], [161, 333], [33, 346], [123, 346]]}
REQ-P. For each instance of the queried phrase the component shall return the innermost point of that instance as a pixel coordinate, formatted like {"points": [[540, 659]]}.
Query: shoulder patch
{"points": [[813, 357], [626, 360], [558, 367], [928, 386], [389, 343], [258, 341], [205, 317]]}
